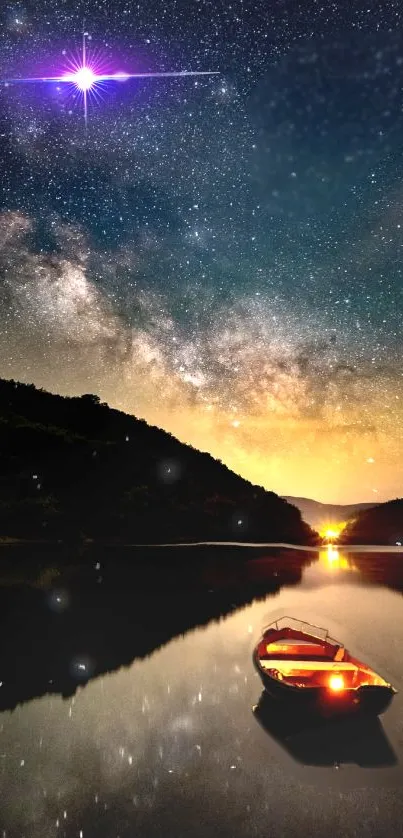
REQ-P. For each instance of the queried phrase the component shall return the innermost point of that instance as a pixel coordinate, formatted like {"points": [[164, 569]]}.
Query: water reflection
{"points": [[382, 569], [163, 741], [333, 559], [74, 623], [379, 568], [314, 740]]}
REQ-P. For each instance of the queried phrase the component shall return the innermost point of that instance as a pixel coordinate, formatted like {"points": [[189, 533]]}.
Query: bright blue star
{"points": [[86, 78]]}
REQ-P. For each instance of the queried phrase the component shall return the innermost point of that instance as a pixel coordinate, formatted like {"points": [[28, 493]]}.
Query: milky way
{"points": [[219, 255]]}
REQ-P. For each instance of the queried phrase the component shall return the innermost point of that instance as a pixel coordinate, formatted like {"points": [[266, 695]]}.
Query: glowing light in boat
{"points": [[336, 683]]}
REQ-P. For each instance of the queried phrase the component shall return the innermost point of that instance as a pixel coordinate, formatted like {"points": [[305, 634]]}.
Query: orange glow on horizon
{"points": [[243, 377], [288, 456], [331, 532]]}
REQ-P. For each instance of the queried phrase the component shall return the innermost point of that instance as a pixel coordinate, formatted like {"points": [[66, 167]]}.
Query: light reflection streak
{"points": [[332, 559]]}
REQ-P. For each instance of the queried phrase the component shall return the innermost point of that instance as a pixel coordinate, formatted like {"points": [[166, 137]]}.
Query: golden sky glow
{"points": [[331, 530], [275, 398]]}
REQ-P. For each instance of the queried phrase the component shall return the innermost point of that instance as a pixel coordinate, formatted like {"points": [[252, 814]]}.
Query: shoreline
{"points": [[6, 541]]}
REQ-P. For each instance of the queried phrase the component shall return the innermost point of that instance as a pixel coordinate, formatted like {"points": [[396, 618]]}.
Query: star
{"points": [[215, 250], [86, 77]]}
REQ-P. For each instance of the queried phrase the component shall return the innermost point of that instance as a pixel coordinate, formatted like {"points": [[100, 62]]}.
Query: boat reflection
{"points": [[312, 739]]}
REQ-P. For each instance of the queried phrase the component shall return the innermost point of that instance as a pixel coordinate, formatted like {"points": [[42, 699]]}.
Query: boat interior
{"points": [[307, 662]]}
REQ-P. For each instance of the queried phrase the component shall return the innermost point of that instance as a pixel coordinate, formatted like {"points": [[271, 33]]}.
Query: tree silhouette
{"points": [[74, 468]]}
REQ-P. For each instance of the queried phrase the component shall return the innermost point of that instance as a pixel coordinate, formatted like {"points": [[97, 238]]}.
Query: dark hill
{"points": [[382, 524], [73, 468]]}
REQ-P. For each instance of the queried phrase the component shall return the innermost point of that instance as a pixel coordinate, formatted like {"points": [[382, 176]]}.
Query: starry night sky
{"points": [[221, 255]]}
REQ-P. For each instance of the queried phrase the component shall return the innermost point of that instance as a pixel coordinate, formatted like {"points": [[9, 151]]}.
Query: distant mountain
{"points": [[381, 525], [75, 469], [316, 514]]}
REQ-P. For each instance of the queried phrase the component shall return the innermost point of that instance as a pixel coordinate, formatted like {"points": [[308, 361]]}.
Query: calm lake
{"points": [[164, 739]]}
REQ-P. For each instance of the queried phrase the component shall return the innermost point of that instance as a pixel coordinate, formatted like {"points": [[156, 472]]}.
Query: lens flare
{"points": [[331, 531], [84, 78], [87, 76]]}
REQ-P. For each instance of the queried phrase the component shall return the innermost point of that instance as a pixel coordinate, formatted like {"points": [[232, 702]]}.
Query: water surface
{"points": [[168, 744]]}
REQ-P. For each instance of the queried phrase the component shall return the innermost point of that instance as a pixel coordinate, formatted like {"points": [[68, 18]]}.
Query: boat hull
{"points": [[368, 699]]}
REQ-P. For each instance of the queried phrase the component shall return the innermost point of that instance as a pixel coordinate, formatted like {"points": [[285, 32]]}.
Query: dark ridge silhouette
{"points": [[73, 468], [67, 624], [316, 514], [312, 739], [383, 524]]}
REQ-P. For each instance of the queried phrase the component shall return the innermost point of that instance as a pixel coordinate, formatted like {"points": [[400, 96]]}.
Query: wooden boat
{"points": [[300, 664]]}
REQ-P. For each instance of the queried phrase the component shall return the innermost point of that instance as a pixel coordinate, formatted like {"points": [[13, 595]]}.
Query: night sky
{"points": [[221, 255]]}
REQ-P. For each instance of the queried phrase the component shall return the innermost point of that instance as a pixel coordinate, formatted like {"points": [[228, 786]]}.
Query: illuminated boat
{"points": [[299, 663]]}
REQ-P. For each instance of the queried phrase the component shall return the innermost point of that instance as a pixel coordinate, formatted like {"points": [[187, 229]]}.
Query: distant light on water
{"points": [[332, 559], [332, 554]]}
